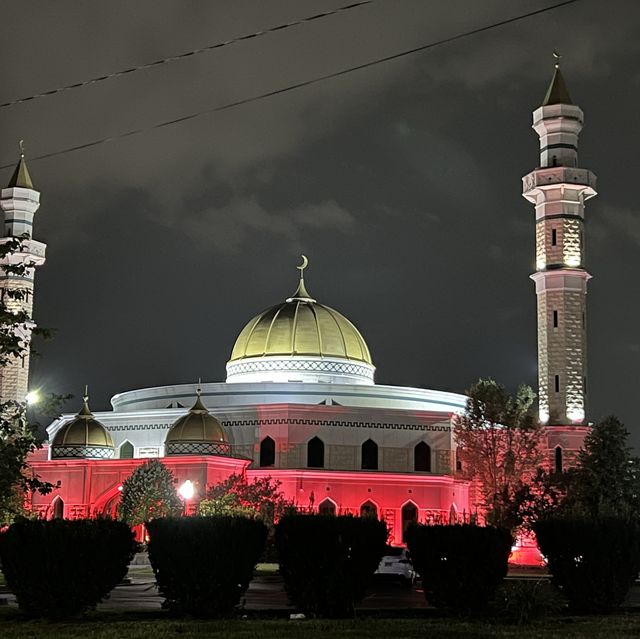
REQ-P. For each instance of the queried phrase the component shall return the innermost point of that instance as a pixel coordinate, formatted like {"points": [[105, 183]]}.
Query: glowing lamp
{"points": [[187, 490], [33, 397], [576, 414], [573, 260]]}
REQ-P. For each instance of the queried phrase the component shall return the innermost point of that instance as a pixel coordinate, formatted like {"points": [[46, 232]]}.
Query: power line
{"points": [[187, 54], [297, 85]]}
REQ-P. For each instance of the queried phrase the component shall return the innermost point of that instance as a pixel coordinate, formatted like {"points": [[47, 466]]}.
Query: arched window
{"points": [[409, 515], [558, 459], [126, 450], [370, 455], [368, 509], [422, 457], [315, 453], [58, 509], [267, 452], [458, 461], [327, 507]]}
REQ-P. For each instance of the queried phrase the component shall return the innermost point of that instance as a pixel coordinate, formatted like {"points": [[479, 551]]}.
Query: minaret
{"points": [[558, 189], [19, 202]]}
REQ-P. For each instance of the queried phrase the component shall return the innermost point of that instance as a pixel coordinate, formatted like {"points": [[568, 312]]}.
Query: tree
{"points": [[499, 446], [149, 492], [606, 479], [236, 495]]}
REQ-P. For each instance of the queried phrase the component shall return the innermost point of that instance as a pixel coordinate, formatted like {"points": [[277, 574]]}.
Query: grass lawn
{"points": [[145, 626]]}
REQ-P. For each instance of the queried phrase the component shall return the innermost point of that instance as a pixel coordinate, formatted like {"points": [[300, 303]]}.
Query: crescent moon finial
{"points": [[305, 263], [557, 57]]}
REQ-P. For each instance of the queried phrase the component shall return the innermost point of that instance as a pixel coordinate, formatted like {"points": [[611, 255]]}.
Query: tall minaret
{"points": [[19, 202], [558, 189]]}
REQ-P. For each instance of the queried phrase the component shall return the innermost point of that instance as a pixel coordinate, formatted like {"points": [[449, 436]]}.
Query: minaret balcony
{"points": [[32, 251], [555, 175]]}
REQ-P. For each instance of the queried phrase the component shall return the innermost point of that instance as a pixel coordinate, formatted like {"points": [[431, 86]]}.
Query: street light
{"points": [[33, 397], [186, 491]]}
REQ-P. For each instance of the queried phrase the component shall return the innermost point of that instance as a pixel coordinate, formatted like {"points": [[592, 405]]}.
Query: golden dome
{"points": [[300, 327], [198, 425], [82, 436]]}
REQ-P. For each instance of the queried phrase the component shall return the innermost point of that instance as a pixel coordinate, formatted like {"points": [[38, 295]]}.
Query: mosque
{"points": [[300, 403]]}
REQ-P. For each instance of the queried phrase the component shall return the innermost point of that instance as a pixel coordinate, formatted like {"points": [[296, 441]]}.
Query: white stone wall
{"points": [[19, 206], [342, 429], [558, 190]]}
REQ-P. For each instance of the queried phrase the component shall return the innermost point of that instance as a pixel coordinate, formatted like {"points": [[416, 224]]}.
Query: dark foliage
{"points": [[523, 602], [593, 561], [61, 568], [203, 565], [461, 566], [327, 562], [606, 480]]}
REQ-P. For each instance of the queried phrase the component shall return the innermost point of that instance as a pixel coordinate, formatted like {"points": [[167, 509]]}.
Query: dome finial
{"points": [[85, 411], [198, 406], [557, 57], [305, 263], [301, 294], [21, 145]]}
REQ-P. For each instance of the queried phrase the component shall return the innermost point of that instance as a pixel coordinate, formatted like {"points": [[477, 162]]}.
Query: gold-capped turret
{"points": [[197, 433], [82, 437]]}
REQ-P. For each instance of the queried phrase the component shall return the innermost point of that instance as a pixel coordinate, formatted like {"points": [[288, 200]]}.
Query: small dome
{"points": [[84, 436], [197, 433], [300, 335]]}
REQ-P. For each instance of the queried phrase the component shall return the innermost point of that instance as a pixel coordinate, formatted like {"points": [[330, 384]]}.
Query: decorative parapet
{"points": [[197, 448]]}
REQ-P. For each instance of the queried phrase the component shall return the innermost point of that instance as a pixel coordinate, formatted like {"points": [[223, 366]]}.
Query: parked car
{"points": [[397, 564]]}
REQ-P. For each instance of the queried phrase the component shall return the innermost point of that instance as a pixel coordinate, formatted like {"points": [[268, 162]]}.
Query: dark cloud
{"points": [[401, 183]]}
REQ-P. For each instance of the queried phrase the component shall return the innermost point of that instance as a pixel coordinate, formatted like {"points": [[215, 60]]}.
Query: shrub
{"points": [[593, 561], [147, 493], [522, 601], [327, 561], [61, 568], [461, 566], [204, 564]]}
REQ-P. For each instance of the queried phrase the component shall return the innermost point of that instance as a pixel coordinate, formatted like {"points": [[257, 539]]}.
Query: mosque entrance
{"points": [[409, 515]]}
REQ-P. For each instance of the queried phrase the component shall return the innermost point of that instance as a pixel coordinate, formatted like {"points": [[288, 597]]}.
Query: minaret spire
{"points": [[19, 202], [558, 189], [21, 177], [557, 93]]}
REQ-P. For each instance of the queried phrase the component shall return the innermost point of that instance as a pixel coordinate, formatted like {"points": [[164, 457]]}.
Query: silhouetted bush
{"points": [[461, 566], [328, 561], [522, 602], [203, 565], [60, 568], [593, 561]]}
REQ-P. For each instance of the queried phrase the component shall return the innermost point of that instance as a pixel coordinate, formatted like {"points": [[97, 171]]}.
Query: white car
{"points": [[396, 563]]}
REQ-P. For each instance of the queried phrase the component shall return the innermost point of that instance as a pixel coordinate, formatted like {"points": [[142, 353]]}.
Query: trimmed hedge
{"points": [[203, 565], [460, 565], [61, 568], [593, 561], [327, 562]]}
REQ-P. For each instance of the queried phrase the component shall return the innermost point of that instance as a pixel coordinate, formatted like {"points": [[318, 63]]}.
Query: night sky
{"points": [[401, 183]]}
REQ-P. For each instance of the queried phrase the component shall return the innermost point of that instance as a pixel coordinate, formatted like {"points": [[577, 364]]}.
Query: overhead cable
{"points": [[297, 85], [186, 54]]}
